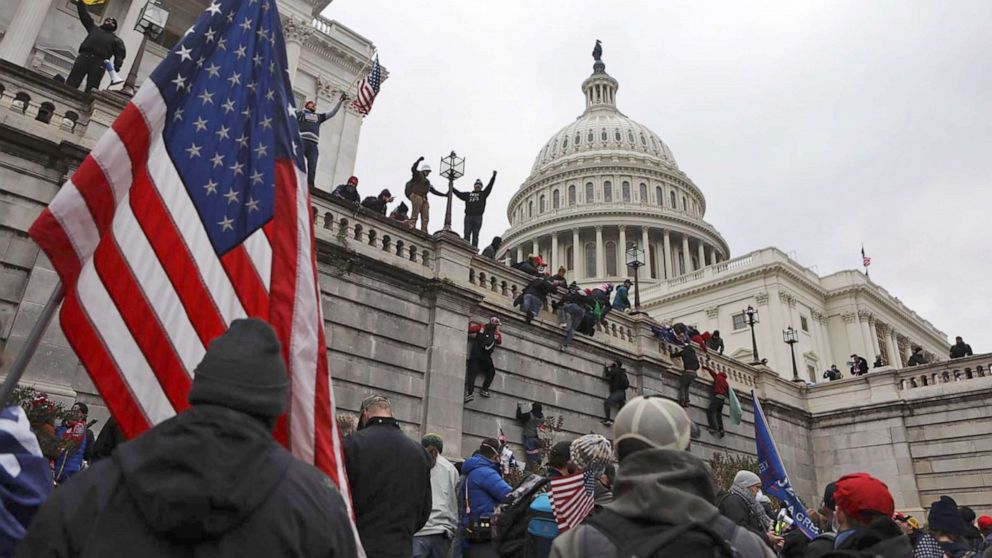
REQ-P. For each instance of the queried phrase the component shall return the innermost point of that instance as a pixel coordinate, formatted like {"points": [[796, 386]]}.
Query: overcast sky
{"points": [[811, 127]]}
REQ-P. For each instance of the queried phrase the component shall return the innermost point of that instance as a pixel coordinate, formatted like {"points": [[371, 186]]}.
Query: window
{"points": [[616, 134], [607, 192], [571, 196], [530, 208], [625, 191], [804, 323], [590, 259], [578, 138], [653, 144], [589, 193], [570, 257], [658, 197], [590, 137], [564, 142], [603, 135], [630, 136], [611, 259], [671, 195], [682, 270], [654, 261], [541, 206], [811, 370], [556, 199], [684, 205], [644, 193], [740, 321], [643, 141]]}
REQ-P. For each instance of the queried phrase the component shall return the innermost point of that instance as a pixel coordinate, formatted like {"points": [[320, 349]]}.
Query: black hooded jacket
{"points": [[208, 482], [475, 202], [490, 251], [99, 42]]}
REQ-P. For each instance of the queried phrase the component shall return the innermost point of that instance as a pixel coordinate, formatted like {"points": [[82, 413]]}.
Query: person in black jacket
{"points": [[536, 296], [378, 203], [208, 481], [110, 437], [349, 191], [617, 379], [390, 478], [917, 358], [490, 251], [309, 121], [574, 306], [859, 365], [740, 505], [101, 43], [690, 363], [960, 349], [475, 206]]}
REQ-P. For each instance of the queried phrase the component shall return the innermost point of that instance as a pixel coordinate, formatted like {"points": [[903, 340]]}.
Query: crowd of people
{"points": [[858, 365]]}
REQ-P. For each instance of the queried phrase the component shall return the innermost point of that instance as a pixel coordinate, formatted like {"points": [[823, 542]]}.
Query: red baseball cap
{"points": [[861, 492], [984, 523]]}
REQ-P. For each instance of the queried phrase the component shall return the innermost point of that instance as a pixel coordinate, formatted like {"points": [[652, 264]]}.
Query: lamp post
{"points": [[452, 167], [635, 259], [752, 318], [791, 336], [151, 23]]}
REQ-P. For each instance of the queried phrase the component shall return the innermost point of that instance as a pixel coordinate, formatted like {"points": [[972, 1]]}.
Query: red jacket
{"points": [[476, 328], [720, 385]]}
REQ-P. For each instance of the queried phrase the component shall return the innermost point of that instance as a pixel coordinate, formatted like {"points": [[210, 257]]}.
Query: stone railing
{"points": [[32, 101], [945, 372], [747, 261]]}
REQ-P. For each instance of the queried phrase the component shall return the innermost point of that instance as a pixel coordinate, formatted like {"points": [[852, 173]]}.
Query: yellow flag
{"points": [[94, 2]]}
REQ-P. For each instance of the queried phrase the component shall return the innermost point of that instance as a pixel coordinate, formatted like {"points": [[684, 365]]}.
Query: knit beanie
{"points": [[591, 452], [746, 479], [945, 517], [655, 421], [433, 440], [243, 370]]}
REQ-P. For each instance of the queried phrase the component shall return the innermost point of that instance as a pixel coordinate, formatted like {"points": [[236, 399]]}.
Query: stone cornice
{"points": [[888, 305]]}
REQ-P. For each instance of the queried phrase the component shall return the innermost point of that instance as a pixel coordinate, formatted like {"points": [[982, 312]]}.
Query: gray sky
{"points": [[811, 127]]}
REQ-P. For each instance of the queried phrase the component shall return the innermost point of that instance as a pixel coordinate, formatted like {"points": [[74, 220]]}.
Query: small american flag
{"points": [[865, 260], [572, 498], [368, 88]]}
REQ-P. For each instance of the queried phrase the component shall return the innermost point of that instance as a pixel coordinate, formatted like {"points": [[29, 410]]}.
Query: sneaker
{"points": [[563, 324], [485, 393], [711, 431], [607, 422], [469, 397], [561, 348], [530, 316]]}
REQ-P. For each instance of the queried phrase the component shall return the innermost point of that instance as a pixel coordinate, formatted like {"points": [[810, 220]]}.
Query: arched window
{"points": [[570, 257], [590, 137], [684, 205], [643, 141], [578, 138], [681, 263], [672, 196], [603, 135], [554, 147], [653, 144], [658, 197], [654, 262], [607, 192], [616, 134], [571, 195], [630, 135], [555, 199], [644, 193], [611, 259], [530, 208], [564, 142], [625, 191], [541, 206], [590, 259], [589, 193]]}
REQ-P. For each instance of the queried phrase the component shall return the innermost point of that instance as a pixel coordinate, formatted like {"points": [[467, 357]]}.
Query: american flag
{"points": [[865, 260], [572, 498], [368, 88], [190, 212]]}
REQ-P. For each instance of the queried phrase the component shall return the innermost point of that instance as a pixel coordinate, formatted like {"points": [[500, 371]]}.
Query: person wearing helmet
{"points": [[659, 487], [101, 43], [309, 121], [416, 191]]}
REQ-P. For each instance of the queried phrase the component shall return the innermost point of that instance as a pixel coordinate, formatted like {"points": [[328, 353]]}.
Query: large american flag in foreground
{"points": [[189, 213], [572, 498], [368, 88]]}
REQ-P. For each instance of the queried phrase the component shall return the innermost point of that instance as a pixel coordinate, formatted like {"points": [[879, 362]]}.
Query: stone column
{"points": [[702, 254], [555, 261], [520, 253], [535, 247], [894, 359], [685, 254], [647, 251], [578, 255], [873, 334], [669, 272], [295, 31], [21, 34], [131, 37], [600, 253], [622, 252]]}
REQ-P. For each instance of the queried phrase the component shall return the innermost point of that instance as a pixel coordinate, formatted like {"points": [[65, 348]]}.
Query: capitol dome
{"points": [[605, 183]]}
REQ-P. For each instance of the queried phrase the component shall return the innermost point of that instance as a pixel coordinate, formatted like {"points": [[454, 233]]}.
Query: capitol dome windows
{"points": [[590, 137], [569, 258], [555, 199], [616, 135], [607, 192], [603, 135], [571, 200], [684, 206], [644, 193], [630, 135], [564, 142], [643, 141], [625, 191], [530, 208], [542, 206], [659, 197], [671, 196], [590, 259], [590, 195], [611, 259]]}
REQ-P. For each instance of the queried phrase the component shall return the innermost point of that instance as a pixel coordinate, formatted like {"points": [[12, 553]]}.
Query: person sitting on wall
{"points": [[859, 366], [833, 373], [917, 358]]}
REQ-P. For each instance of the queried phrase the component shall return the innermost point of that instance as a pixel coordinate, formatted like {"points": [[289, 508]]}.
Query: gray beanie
{"points": [[243, 370], [746, 479]]}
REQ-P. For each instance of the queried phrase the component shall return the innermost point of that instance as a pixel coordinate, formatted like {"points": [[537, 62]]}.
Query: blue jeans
{"points": [[532, 303], [575, 313], [473, 224], [310, 153], [431, 546]]}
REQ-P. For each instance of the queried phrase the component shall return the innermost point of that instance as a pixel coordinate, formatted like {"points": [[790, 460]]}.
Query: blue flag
{"points": [[774, 479]]}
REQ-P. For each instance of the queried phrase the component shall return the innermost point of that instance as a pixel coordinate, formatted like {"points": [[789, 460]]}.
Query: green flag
{"points": [[735, 408]]}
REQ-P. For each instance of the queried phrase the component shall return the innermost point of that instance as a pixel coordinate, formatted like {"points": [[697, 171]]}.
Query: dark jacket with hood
{"points": [[208, 482], [541, 288], [390, 478], [347, 192], [475, 202], [690, 361], [657, 487], [309, 121], [100, 42], [377, 204], [532, 421], [881, 538], [960, 350], [490, 251]]}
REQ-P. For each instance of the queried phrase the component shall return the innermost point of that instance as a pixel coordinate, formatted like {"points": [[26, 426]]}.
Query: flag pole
{"points": [[361, 72], [31, 344]]}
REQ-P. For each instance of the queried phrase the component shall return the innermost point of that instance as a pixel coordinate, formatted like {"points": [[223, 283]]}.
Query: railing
{"points": [[945, 372], [37, 100]]}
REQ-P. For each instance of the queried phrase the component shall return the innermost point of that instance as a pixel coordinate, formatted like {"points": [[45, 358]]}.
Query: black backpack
{"points": [[623, 382], [485, 340], [634, 539], [510, 518]]}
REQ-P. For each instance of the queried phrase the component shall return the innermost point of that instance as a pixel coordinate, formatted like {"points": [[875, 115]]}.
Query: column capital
{"points": [[599, 228], [296, 30], [622, 227], [326, 89]]}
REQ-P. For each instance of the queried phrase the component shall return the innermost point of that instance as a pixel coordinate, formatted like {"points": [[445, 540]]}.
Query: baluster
{"points": [[386, 240], [358, 231], [372, 235], [399, 247]]}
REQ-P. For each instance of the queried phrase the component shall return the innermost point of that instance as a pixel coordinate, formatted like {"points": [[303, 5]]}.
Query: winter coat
{"points": [[390, 478], [621, 302], [541, 288], [25, 478], [532, 421], [475, 202], [444, 507], [657, 487], [70, 461], [485, 487], [401, 213], [309, 122], [820, 545], [527, 267], [99, 42], [739, 510], [715, 344], [688, 355], [208, 482], [378, 203], [110, 437], [960, 350], [478, 349], [490, 251], [419, 184], [347, 192], [616, 376], [720, 385], [881, 538]]}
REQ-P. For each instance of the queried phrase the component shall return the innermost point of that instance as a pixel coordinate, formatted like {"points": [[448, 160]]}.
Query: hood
{"points": [[476, 462], [663, 486], [497, 242], [233, 472], [883, 538], [385, 194]]}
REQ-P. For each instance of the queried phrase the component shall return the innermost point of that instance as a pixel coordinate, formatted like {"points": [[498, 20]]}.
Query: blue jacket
{"points": [[69, 462], [486, 488], [620, 301]]}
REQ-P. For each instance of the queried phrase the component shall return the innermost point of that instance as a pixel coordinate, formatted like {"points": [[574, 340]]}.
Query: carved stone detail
{"points": [[865, 315], [761, 298], [849, 317], [787, 298], [326, 89], [296, 30], [712, 312]]}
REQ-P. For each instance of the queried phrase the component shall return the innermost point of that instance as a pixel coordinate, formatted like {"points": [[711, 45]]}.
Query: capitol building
{"points": [[606, 183]]}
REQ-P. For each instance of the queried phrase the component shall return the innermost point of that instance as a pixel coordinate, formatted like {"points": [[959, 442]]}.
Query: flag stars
{"points": [[193, 150], [180, 82], [214, 8], [200, 61], [217, 160], [252, 204], [257, 59], [251, 86], [206, 97], [266, 123], [222, 44], [200, 124], [227, 224], [243, 141], [241, 52], [235, 79], [213, 70], [211, 187], [228, 106], [237, 168], [261, 34], [246, 24], [178, 115], [270, 95], [256, 178], [246, 113], [208, 35], [222, 134], [230, 16], [261, 150], [231, 195], [184, 53]]}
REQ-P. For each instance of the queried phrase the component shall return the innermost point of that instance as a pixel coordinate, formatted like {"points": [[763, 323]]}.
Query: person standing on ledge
{"points": [[475, 206], [309, 121], [960, 349], [416, 191], [101, 43]]}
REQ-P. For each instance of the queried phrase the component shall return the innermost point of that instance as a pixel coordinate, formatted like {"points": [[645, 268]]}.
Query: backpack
{"points": [[542, 527], [634, 539], [485, 340], [622, 380], [510, 518]]}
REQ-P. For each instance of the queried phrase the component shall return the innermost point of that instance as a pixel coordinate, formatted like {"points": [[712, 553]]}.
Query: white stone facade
{"points": [[325, 57]]}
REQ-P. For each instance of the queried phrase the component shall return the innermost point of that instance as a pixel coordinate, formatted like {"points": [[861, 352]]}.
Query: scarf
{"points": [[756, 508]]}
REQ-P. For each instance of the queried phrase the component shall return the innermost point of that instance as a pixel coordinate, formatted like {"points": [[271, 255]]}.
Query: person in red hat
{"points": [[863, 515], [348, 191], [985, 526]]}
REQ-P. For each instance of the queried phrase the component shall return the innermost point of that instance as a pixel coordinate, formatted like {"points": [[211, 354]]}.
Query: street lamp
{"points": [[635, 259], [752, 318], [452, 167], [791, 336], [151, 23]]}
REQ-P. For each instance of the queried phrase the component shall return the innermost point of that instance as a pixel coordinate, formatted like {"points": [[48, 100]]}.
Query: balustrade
{"points": [[945, 372]]}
